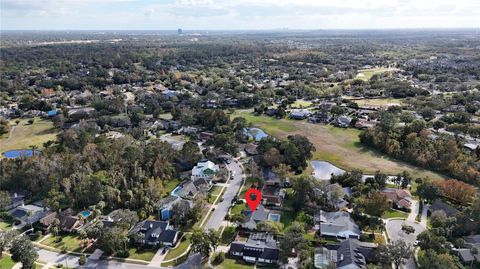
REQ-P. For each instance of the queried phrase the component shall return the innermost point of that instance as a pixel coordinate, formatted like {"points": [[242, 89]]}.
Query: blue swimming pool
{"points": [[274, 217], [86, 213], [16, 153], [176, 190]]}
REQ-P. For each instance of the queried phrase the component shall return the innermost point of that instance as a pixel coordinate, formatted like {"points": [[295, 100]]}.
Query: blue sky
{"points": [[236, 14]]}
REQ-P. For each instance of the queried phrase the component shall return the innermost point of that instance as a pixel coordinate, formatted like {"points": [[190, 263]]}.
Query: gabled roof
{"points": [[336, 222], [207, 167], [261, 214], [68, 223], [353, 253], [448, 209], [48, 219], [168, 236], [258, 245]]}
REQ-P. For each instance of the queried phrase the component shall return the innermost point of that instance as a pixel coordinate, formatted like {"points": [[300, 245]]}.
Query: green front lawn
{"points": [[215, 191], [391, 213], [141, 254], [70, 242], [238, 209], [6, 262], [180, 249], [233, 264], [227, 235], [301, 104]]}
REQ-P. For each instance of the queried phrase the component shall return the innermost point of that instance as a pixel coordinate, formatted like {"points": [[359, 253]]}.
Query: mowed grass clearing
{"points": [[380, 102], [301, 104], [338, 146], [366, 74], [25, 135]]}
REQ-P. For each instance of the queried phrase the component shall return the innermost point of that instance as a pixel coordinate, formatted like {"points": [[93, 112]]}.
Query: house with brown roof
{"points": [[398, 198], [68, 220], [47, 92], [272, 195]]}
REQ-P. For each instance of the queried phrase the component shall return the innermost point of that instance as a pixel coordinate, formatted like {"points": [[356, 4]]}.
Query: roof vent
{"points": [[341, 257]]}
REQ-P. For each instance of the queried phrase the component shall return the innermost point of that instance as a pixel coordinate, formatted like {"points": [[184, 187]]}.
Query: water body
{"points": [[255, 133], [323, 170], [16, 153]]}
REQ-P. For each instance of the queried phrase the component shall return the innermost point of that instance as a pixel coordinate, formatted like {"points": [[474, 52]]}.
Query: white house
{"points": [[205, 170]]}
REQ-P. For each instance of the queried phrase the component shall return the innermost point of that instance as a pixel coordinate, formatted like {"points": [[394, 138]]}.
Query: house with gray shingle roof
{"points": [[259, 215], [337, 224], [259, 248], [349, 254]]}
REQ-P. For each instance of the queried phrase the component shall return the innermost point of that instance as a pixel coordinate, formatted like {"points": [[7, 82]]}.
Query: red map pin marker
{"points": [[253, 197]]}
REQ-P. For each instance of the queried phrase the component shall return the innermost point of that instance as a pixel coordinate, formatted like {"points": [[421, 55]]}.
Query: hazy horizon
{"points": [[240, 15]]}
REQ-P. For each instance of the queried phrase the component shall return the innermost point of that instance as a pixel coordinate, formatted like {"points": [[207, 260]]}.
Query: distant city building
{"points": [[180, 31]]}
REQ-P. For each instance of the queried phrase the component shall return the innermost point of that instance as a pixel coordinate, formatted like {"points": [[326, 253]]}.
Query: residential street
{"points": [[71, 261], [231, 190]]}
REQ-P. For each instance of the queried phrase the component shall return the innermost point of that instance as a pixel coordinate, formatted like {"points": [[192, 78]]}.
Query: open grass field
{"points": [[366, 74], [25, 135], [301, 104], [71, 243], [338, 146], [380, 102], [141, 254]]}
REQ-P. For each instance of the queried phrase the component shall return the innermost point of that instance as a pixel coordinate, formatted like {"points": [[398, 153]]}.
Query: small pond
{"points": [[16, 153], [323, 170], [255, 133]]}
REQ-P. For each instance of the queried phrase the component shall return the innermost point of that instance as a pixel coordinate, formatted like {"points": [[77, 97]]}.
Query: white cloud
{"points": [[237, 14]]}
